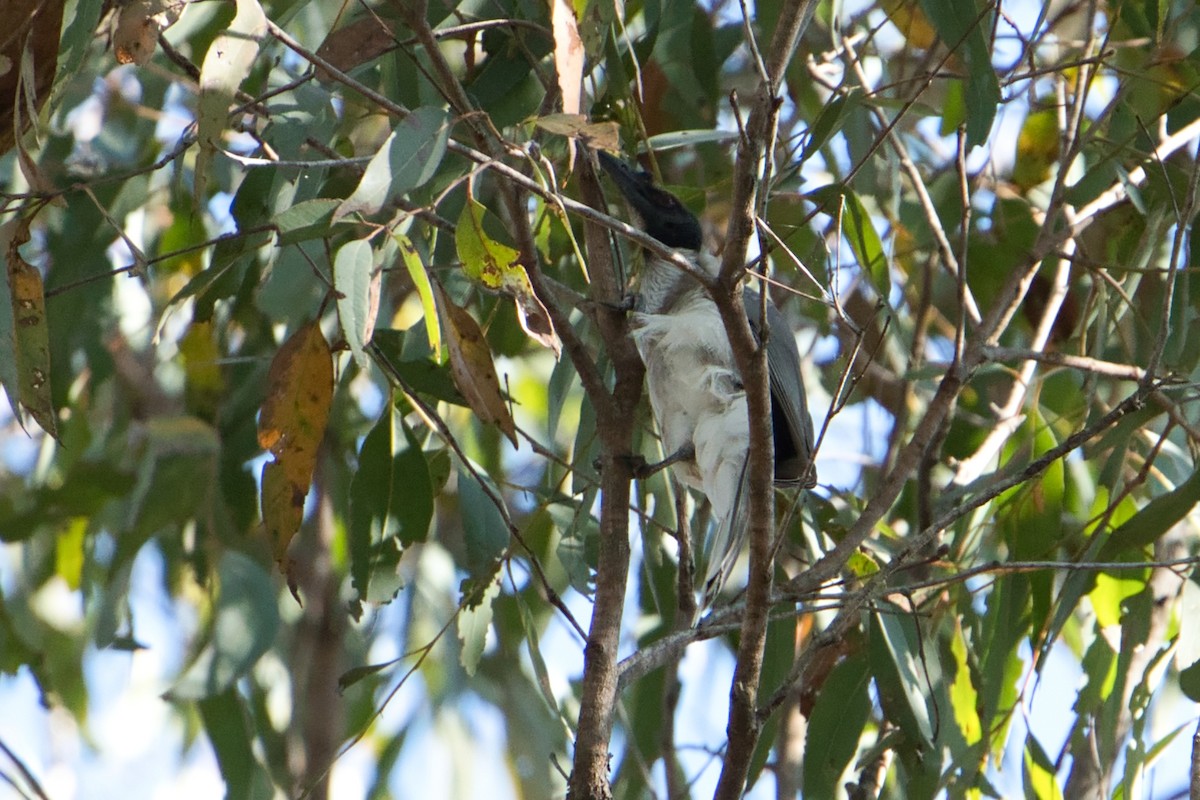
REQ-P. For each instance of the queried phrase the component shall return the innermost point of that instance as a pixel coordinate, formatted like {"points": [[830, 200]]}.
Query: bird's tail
{"points": [[724, 545]]}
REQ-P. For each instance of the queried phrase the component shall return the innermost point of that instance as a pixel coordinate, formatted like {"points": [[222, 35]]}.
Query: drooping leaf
{"points": [[408, 158], [858, 228], [896, 665], [474, 622], [532, 643], [964, 699], [484, 528], [498, 268], [31, 333], [1038, 773], [391, 504], [357, 278], [291, 426], [472, 366], [226, 64], [420, 278], [836, 726], [245, 621], [960, 25], [229, 730]]}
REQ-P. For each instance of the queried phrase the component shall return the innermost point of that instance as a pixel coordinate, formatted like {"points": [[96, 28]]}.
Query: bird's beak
{"points": [[658, 212], [636, 187]]}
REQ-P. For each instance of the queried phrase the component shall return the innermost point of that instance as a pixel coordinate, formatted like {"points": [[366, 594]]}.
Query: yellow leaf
{"points": [[291, 425], [31, 333], [1037, 149], [200, 355], [420, 279], [498, 268], [910, 20]]}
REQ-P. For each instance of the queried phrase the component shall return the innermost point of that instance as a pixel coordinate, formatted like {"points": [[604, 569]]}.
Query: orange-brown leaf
{"points": [[291, 425]]}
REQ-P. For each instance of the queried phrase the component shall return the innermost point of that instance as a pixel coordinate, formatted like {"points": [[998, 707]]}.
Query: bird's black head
{"points": [[660, 213]]}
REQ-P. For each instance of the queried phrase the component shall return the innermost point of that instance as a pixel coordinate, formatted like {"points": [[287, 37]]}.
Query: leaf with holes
{"points": [[31, 333], [498, 267]]}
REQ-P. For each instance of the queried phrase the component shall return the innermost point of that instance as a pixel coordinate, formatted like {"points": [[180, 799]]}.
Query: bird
{"points": [[696, 392]]}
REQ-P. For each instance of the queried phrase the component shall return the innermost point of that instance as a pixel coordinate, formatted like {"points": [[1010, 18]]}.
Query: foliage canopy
{"points": [[321, 306]]}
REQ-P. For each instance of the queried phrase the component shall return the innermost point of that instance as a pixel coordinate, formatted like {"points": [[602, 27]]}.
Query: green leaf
{"points": [[174, 480], [484, 527], [408, 158], [356, 279], [391, 505], [963, 28], [533, 646], [836, 726], [843, 204], [899, 676], [245, 621], [473, 625], [826, 123], [964, 699], [226, 65], [1155, 519], [1038, 773], [228, 728], [578, 548], [494, 265], [312, 219]]}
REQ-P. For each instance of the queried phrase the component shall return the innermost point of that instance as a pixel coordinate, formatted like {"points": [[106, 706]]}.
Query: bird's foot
{"points": [[642, 469], [646, 469], [622, 306]]}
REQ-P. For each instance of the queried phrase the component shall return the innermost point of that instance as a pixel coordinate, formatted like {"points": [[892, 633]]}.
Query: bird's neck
{"points": [[662, 283]]}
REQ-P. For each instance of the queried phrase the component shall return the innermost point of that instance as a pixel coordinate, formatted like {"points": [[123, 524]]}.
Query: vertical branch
{"points": [[744, 726], [615, 419], [615, 425]]}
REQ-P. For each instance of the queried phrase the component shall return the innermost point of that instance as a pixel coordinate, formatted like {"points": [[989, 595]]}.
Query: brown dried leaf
{"points": [[136, 31], [472, 366], [596, 135], [355, 44], [291, 425]]}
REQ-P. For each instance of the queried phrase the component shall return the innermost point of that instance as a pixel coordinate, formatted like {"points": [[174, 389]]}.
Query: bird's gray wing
{"points": [[791, 422]]}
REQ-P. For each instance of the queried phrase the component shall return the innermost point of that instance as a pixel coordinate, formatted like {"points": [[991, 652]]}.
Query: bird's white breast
{"points": [[696, 393]]}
